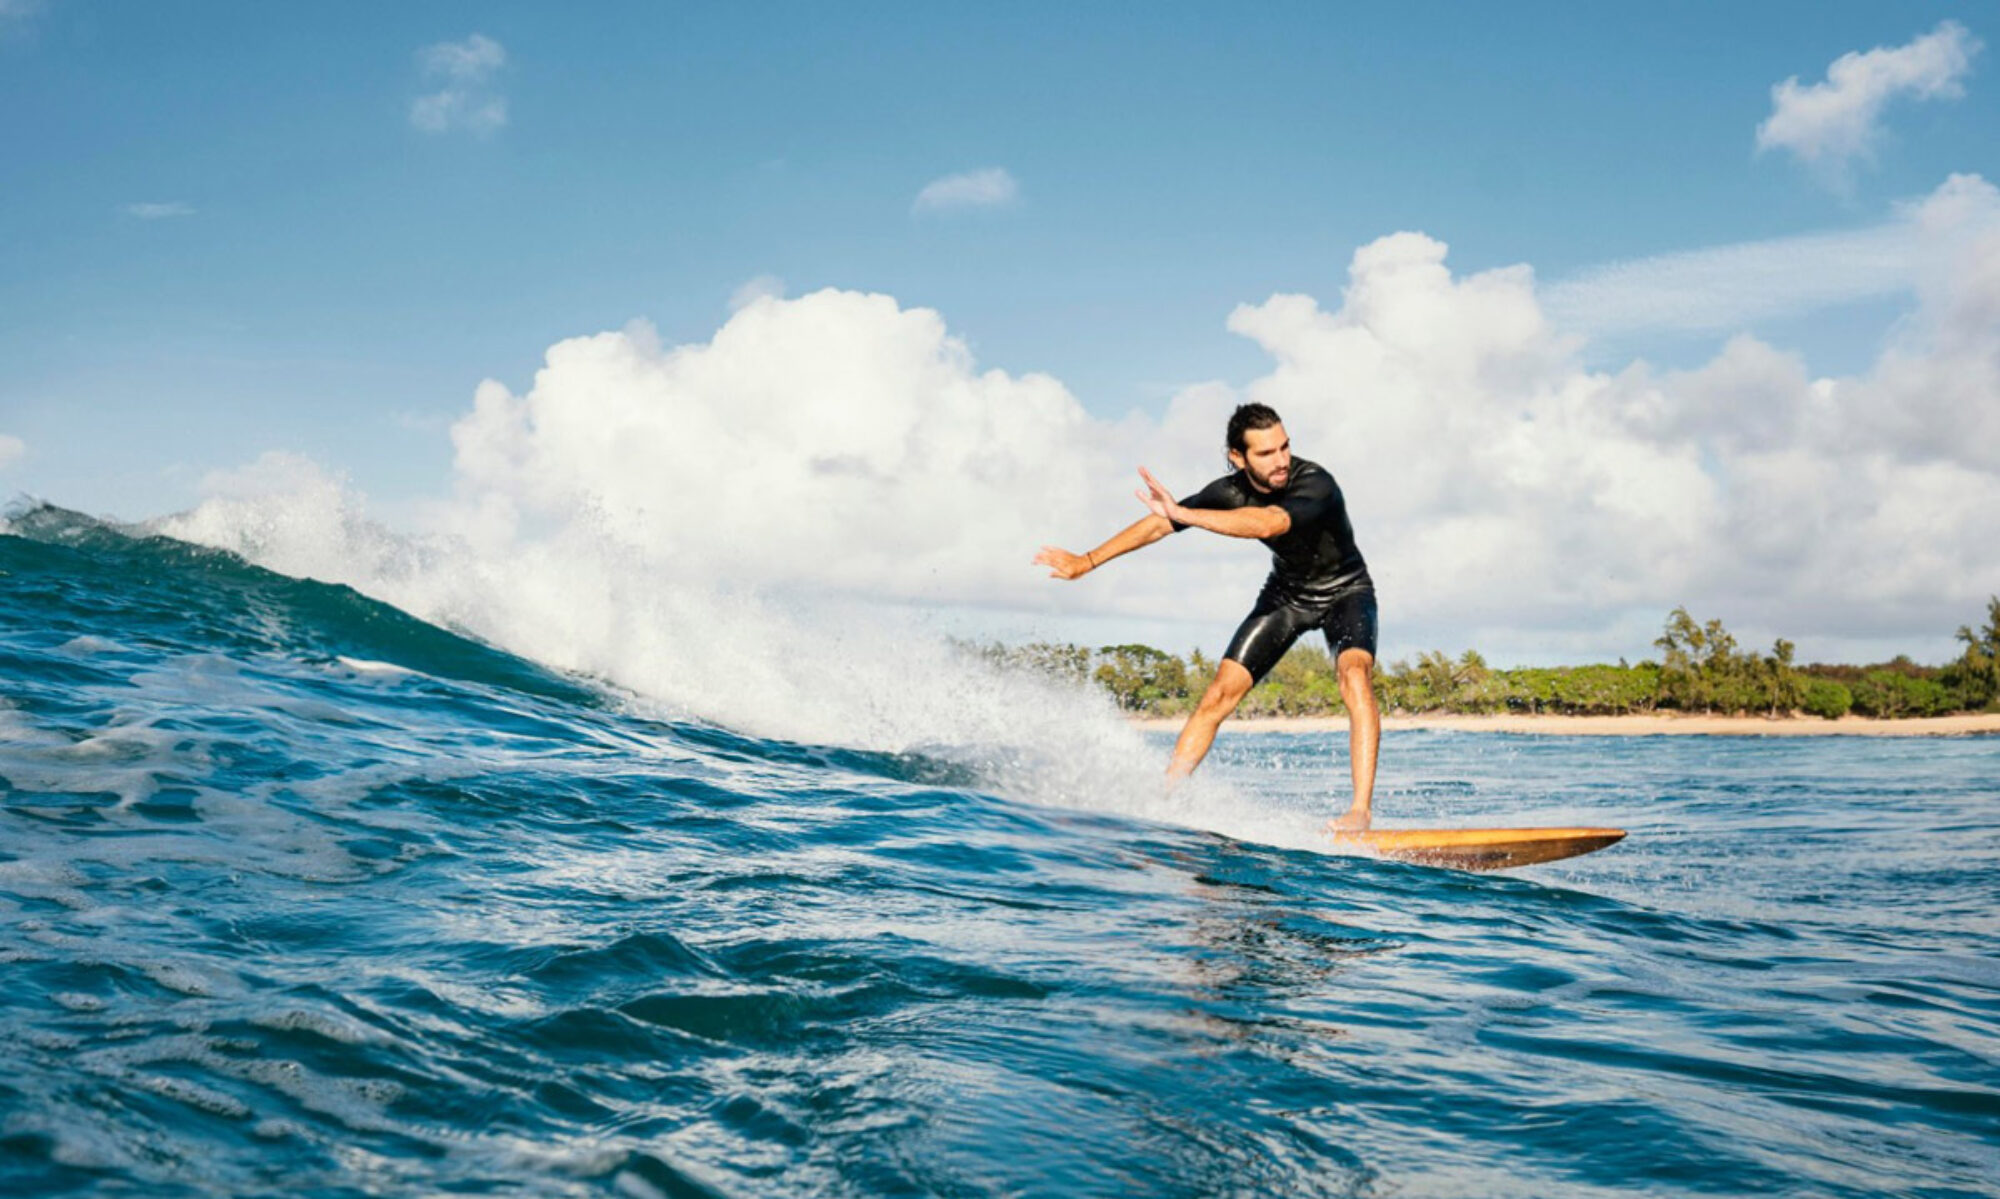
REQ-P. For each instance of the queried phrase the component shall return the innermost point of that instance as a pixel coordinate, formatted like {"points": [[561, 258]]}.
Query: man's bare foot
{"points": [[1353, 820]]}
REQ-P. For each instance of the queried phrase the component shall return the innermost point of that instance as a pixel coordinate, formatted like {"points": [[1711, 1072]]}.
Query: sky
{"points": [[1592, 310]]}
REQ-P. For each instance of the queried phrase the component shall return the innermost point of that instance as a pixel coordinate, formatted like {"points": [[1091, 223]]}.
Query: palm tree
{"points": [[1978, 669]]}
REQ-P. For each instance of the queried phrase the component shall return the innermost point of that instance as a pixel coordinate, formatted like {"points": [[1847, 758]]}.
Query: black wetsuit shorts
{"points": [[1347, 619]]}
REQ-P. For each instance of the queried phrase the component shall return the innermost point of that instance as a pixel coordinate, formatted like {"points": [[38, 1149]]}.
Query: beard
{"points": [[1265, 482]]}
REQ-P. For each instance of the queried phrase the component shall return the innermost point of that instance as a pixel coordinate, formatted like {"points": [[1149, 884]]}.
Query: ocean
{"points": [[306, 894]]}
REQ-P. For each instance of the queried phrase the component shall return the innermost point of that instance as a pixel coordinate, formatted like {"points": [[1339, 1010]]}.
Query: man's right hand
{"points": [[1062, 564]]}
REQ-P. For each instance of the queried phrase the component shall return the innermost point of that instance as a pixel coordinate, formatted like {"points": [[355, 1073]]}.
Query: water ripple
{"points": [[300, 896]]}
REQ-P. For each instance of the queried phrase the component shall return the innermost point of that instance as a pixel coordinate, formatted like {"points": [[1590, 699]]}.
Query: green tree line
{"points": [[1701, 668]]}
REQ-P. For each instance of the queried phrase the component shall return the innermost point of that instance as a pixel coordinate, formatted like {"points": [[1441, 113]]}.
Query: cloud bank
{"points": [[841, 441], [1504, 487], [992, 187], [843, 450], [12, 449], [468, 100], [1833, 123], [836, 440]]}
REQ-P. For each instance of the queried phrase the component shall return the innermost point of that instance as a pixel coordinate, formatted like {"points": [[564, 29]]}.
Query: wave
{"points": [[303, 893], [579, 617]]}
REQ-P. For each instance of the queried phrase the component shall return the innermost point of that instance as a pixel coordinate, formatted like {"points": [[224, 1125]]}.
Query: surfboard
{"points": [[1479, 848]]}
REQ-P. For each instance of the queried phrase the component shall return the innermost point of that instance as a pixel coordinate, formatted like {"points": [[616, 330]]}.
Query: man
{"points": [[1318, 581]]}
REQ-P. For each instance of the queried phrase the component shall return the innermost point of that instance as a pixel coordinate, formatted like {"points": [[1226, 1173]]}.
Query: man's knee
{"points": [[1357, 670], [1231, 683]]}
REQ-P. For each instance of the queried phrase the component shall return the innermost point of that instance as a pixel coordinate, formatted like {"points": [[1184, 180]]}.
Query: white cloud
{"points": [[1499, 485], [471, 61], [992, 187], [468, 100], [1726, 288], [710, 523], [1830, 124], [12, 449], [158, 212], [835, 440], [762, 287]]}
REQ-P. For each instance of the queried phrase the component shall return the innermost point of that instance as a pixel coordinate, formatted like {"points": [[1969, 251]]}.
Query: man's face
{"points": [[1266, 457]]}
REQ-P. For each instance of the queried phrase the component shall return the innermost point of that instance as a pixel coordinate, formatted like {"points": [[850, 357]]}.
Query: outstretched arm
{"points": [[1140, 533], [1230, 522]]}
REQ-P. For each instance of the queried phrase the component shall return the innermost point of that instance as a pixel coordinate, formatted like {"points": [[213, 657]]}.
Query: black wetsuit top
{"points": [[1313, 563]]}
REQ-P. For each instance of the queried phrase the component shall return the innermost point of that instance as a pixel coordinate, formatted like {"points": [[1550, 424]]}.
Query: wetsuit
{"points": [[1318, 580]]}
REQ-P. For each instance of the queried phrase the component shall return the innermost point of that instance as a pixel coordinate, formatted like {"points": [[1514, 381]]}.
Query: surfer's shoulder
{"points": [[1311, 479]]}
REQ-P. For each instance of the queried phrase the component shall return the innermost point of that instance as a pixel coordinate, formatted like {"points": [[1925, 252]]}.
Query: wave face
{"points": [[302, 895]]}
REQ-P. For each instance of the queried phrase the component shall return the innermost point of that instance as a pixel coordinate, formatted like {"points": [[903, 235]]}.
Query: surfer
{"points": [[1318, 581]]}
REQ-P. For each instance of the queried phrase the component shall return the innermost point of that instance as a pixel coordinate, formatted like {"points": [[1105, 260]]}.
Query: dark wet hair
{"points": [[1248, 417]]}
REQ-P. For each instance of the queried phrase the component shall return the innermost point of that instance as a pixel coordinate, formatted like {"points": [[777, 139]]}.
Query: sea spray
{"points": [[275, 919], [818, 669]]}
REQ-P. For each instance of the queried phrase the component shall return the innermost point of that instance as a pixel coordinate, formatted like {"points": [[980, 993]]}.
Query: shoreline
{"points": [[1643, 724]]}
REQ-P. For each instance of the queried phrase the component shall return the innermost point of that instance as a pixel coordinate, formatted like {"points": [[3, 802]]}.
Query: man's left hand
{"points": [[1158, 499]]}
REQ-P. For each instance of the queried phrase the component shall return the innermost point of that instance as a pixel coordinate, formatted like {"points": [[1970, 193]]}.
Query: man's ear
{"points": [[1236, 460]]}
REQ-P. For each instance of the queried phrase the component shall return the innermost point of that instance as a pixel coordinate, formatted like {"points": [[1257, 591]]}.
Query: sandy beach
{"points": [[1641, 725]]}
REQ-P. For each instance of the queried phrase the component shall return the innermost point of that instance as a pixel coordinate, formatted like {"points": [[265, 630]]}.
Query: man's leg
{"points": [[1232, 682], [1364, 733]]}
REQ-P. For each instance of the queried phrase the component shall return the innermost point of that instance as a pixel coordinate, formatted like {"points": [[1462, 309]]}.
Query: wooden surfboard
{"points": [[1479, 848]]}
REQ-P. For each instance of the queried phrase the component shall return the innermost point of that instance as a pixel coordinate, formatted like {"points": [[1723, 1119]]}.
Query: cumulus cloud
{"points": [[834, 440], [12, 449], [840, 447], [1832, 123], [1501, 485], [839, 441], [468, 100], [158, 212], [1481, 461], [992, 187]]}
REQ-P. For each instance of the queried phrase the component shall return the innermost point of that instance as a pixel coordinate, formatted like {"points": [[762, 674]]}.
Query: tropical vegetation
{"points": [[1701, 668]]}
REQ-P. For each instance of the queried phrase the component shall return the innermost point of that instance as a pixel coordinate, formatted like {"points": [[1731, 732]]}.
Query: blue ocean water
{"points": [[301, 895]]}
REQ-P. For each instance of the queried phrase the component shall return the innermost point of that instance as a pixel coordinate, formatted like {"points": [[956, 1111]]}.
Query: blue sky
{"points": [[226, 230], [343, 275]]}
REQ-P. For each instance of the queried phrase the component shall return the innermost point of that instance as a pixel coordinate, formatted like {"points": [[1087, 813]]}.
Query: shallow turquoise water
{"points": [[300, 895]]}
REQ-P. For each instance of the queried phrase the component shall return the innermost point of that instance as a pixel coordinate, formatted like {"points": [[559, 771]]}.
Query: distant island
{"points": [[1700, 671]]}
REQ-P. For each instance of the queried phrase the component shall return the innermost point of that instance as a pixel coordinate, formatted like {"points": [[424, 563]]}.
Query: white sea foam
{"points": [[795, 666], [86, 645], [370, 667]]}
